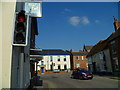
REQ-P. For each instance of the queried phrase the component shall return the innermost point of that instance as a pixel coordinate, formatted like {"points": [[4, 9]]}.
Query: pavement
{"points": [[62, 80], [110, 77]]}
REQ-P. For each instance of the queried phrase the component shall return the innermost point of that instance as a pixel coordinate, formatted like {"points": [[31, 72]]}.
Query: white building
{"points": [[99, 58], [54, 59]]}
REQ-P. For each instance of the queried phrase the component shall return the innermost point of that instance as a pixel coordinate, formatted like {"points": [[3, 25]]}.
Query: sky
{"points": [[66, 25]]}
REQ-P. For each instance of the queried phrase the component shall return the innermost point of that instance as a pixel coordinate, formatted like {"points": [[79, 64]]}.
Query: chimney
{"points": [[70, 50], [116, 24]]}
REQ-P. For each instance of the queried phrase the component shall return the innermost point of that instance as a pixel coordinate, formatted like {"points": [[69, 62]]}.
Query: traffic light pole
{"points": [[21, 69]]}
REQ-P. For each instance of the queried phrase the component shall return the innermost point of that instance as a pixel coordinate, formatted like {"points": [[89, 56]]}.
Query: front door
{"points": [[42, 69], [94, 67]]}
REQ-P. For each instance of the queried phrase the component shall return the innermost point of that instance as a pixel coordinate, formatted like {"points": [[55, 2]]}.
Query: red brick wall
{"points": [[117, 41], [83, 63]]}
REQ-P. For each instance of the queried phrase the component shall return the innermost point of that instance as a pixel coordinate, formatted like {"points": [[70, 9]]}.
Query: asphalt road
{"points": [[63, 80]]}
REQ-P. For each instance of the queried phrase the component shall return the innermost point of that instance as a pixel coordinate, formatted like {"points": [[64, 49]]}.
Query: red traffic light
{"points": [[21, 16]]}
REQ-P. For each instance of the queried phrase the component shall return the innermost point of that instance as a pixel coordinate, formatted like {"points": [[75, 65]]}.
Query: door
{"points": [[42, 69], [94, 67]]}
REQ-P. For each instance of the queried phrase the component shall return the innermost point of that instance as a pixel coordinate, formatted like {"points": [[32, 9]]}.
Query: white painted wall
{"points": [[0, 46], [108, 60], [99, 62], [47, 61], [7, 12]]}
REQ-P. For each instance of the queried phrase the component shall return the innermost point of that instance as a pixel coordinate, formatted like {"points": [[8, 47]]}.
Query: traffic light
{"points": [[20, 29]]}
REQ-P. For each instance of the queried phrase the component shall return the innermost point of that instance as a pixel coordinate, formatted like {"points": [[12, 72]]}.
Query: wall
{"points": [[96, 58], [8, 10], [117, 54], [108, 60], [0, 46], [47, 61], [82, 61]]}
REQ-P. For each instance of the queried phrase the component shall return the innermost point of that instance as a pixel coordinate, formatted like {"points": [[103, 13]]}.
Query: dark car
{"points": [[81, 74]]}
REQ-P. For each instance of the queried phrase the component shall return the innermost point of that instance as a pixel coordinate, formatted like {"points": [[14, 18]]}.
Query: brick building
{"points": [[114, 47], [80, 60]]}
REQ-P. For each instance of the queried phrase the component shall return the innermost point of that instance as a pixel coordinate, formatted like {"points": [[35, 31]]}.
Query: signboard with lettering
{"points": [[34, 9]]}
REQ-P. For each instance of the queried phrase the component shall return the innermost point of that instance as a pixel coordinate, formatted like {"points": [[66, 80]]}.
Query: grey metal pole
{"points": [[21, 69]]}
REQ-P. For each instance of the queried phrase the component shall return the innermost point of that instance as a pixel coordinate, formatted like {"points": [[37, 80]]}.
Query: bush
{"points": [[49, 70], [38, 70], [62, 70]]}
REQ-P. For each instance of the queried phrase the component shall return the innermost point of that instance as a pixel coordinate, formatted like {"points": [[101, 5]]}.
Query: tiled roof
{"points": [[101, 45], [35, 52], [87, 47], [51, 52], [114, 35], [81, 53]]}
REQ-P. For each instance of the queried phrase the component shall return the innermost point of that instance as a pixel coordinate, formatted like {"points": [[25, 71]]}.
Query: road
{"points": [[63, 80]]}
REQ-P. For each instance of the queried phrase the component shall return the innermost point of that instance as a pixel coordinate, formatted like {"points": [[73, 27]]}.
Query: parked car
{"points": [[56, 71], [81, 74]]}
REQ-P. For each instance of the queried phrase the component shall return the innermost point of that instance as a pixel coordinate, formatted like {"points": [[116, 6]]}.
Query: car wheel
{"points": [[80, 77], [72, 76]]}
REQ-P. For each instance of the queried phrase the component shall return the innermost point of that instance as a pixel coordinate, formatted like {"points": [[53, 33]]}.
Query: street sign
{"points": [[34, 9]]}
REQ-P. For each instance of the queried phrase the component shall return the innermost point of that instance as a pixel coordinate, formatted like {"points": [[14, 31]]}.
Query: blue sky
{"points": [[66, 25]]}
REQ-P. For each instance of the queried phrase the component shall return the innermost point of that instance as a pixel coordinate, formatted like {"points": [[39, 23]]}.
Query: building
{"points": [[87, 48], [99, 58], [105, 55], [80, 60], [54, 59], [114, 47], [35, 57]]}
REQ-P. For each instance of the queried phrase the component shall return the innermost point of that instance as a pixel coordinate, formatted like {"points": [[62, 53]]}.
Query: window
{"points": [[86, 64], [64, 58], [115, 62], [51, 67], [65, 67], [58, 58], [113, 47], [77, 57], [42, 62], [59, 67], [77, 65], [82, 58], [51, 59]]}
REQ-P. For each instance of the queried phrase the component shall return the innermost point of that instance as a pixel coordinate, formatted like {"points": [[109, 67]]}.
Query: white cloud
{"points": [[85, 20], [67, 10], [74, 20], [97, 21]]}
